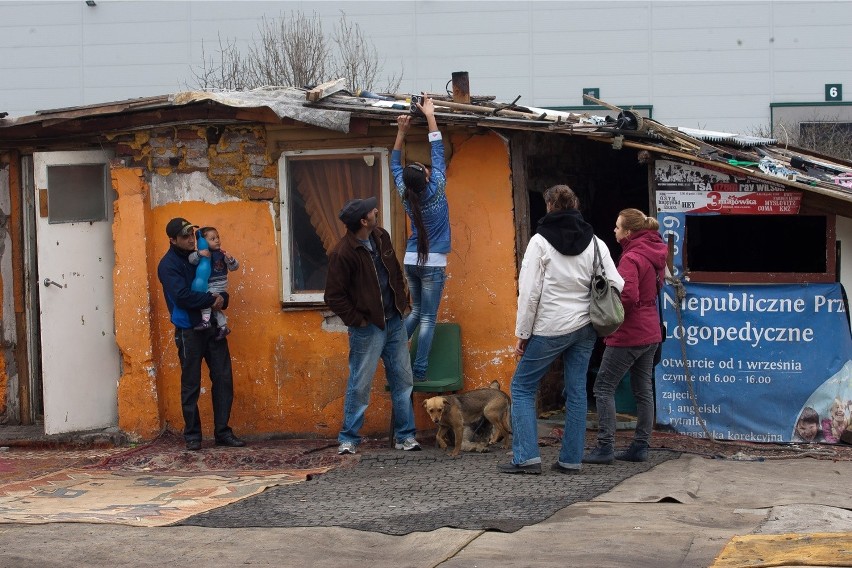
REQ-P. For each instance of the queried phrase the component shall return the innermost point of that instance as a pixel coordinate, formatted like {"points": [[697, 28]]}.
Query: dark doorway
{"points": [[605, 179]]}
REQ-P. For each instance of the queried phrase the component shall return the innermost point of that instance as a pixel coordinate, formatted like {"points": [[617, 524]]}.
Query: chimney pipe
{"points": [[461, 87]]}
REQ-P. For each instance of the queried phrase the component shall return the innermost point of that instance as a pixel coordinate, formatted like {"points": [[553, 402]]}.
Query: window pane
{"points": [[318, 188], [756, 243], [76, 193]]}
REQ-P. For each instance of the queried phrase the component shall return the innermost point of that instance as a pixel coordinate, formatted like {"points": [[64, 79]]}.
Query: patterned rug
{"points": [[167, 454], [155, 484], [88, 496], [18, 464]]}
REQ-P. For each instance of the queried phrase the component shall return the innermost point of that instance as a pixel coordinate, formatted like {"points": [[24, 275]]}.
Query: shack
{"points": [[86, 192]]}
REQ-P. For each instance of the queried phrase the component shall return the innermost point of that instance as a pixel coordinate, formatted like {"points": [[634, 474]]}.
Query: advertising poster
{"points": [[767, 363], [730, 202], [683, 176]]}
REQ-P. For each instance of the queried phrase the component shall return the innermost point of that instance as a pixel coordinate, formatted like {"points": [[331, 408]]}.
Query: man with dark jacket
{"points": [[366, 288], [176, 274]]}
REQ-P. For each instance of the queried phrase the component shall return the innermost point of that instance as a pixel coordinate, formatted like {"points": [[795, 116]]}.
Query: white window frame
{"points": [[290, 296]]}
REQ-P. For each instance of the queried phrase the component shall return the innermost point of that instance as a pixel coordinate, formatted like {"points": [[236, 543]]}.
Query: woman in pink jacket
{"points": [[631, 348]]}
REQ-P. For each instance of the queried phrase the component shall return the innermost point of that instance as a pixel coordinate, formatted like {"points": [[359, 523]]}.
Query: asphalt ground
{"points": [[397, 493]]}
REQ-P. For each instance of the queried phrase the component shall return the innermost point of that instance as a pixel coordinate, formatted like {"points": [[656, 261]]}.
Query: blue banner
{"points": [[766, 363]]}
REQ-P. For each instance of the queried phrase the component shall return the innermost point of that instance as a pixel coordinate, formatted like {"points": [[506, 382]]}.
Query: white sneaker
{"points": [[346, 448], [408, 445]]}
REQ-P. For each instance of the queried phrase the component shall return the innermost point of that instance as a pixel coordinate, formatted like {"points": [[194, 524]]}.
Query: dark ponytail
{"points": [[413, 199], [414, 178]]}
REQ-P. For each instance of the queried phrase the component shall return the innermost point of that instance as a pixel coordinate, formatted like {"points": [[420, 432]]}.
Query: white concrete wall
{"points": [[715, 65]]}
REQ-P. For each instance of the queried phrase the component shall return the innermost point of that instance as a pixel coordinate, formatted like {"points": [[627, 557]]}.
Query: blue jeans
{"points": [[576, 350], [426, 284], [366, 345], [614, 365]]}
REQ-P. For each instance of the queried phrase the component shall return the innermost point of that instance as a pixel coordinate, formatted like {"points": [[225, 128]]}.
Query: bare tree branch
{"points": [[294, 51], [824, 134]]}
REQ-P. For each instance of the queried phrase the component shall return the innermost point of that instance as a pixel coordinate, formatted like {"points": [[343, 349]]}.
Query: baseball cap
{"points": [[356, 209], [179, 226]]}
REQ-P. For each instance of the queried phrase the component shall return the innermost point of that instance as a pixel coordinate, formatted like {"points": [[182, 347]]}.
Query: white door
{"points": [[80, 358]]}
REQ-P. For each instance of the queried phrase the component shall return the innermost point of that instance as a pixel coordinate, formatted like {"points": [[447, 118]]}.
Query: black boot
{"points": [[637, 452], [600, 455]]}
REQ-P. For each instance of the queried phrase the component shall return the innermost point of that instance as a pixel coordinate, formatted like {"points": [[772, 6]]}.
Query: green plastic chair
{"points": [[445, 364]]}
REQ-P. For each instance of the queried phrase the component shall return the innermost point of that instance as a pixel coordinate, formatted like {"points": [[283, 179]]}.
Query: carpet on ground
{"points": [[19, 463], [160, 483], [743, 484], [166, 454], [813, 549], [397, 493]]}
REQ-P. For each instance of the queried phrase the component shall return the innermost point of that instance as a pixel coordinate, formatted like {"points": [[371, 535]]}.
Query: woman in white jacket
{"points": [[553, 320]]}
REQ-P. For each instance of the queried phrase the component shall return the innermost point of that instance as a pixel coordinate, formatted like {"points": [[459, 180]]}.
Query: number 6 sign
{"points": [[833, 92]]}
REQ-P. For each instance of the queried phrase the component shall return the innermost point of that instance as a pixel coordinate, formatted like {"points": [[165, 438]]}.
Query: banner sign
{"points": [[685, 176], [674, 224], [729, 202], [766, 363]]}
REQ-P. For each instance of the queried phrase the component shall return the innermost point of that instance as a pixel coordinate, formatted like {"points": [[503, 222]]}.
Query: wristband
{"points": [[433, 136]]}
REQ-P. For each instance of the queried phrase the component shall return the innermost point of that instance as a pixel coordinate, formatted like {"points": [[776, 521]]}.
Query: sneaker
{"points": [[408, 445], [193, 445], [223, 331], [202, 326], [532, 468], [346, 448], [600, 455], [637, 452]]}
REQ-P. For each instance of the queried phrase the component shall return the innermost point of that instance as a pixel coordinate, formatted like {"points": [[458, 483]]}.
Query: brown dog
{"points": [[458, 412]]}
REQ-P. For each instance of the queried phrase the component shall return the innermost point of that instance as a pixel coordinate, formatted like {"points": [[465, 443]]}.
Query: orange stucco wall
{"points": [[481, 288], [289, 372], [138, 409]]}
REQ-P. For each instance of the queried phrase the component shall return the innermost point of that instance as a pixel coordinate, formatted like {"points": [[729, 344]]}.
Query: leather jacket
{"points": [[352, 285]]}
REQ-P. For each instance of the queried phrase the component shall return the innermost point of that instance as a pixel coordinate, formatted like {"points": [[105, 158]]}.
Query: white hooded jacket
{"points": [[553, 288]]}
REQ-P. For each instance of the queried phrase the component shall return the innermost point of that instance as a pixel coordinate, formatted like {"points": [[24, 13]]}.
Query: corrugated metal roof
{"points": [[741, 140]]}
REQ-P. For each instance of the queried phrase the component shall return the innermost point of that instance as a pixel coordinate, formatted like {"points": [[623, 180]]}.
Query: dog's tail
{"points": [[496, 386], [507, 417]]}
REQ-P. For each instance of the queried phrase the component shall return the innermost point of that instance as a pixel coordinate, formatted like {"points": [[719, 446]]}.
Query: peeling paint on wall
{"points": [[233, 159], [177, 188], [332, 322]]}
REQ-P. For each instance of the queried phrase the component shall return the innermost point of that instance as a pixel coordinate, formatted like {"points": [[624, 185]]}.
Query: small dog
{"points": [[456, 413]]}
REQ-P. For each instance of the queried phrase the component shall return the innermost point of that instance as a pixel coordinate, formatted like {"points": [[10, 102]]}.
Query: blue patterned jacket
{"points": [[436, 212]]}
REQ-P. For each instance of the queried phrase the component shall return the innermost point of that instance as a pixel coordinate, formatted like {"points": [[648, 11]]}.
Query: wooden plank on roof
{"points": [[328, 88]]}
